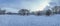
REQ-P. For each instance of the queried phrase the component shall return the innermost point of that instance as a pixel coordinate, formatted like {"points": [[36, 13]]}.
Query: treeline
{"points": [[48, 12]]}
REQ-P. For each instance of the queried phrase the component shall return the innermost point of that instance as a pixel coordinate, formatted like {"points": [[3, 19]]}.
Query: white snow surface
{"points": [[17, 20]]}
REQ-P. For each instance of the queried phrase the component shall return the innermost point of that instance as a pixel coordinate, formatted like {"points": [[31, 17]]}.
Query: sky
{"points": [[33, 5]]}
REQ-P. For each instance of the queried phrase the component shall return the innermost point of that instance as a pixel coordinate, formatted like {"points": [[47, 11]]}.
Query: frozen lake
{"points": [[16, 20]]}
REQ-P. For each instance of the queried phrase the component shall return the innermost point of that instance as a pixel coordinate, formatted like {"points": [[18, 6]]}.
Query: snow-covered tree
{"points": [[9, 13], [23, 12], [56, 9], [2, 11], [37, 13], [48, 12]]}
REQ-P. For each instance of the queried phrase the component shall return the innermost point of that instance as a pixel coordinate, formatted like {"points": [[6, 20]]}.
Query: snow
{"points": [[17, 20]]}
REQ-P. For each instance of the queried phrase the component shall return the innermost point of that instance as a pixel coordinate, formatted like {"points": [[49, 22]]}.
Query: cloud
{"points": [[55, 2], [19, 4]]}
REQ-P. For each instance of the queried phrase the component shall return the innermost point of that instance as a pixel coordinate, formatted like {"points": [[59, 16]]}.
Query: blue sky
{"points": [[33, 5]]}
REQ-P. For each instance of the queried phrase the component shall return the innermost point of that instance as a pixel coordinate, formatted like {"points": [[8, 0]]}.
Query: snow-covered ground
{"points": [[17, 20]]}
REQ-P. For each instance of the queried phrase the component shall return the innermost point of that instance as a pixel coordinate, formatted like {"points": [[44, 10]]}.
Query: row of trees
{"points": [[2, 12], [55, 10]]}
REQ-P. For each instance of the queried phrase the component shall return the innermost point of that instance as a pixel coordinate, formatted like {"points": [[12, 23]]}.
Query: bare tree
{"points": [[23, 12], [56, 9]]}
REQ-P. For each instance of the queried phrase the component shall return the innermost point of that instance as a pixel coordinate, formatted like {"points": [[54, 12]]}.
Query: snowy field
{"points": [[16, 20]]}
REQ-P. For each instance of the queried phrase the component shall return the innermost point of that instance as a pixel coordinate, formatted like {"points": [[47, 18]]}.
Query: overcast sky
{"points": [[15, 5]]}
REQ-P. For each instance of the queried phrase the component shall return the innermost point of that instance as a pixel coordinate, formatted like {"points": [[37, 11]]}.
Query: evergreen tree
{"points": [[9, 13], [48, 12], [38, 13], [2, 11]]}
